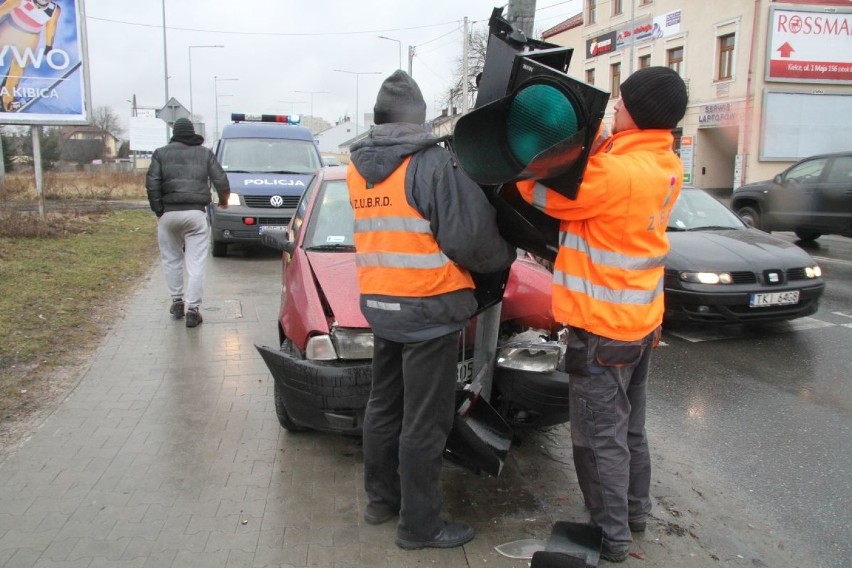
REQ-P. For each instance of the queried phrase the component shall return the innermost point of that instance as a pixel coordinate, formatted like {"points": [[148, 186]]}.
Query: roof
{"points": [[572, 22]]}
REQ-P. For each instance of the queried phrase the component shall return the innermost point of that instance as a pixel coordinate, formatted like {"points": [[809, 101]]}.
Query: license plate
{"points": [[774, 299], [264, 228], [465, 371]]}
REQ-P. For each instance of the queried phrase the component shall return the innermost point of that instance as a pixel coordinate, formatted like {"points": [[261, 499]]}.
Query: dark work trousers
{"points": [[610, 445], [408, 419]]}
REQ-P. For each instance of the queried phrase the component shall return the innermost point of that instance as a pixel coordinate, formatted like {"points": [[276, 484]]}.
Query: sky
{"points": [[273, 49]]}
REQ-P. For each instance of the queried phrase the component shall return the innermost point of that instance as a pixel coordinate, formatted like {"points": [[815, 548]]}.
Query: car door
{"points": [[791, 201], [834, 196]]}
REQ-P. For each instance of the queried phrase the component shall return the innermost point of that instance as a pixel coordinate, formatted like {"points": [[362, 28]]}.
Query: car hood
{"points": [[732, 250], [337, 278], [268, 183]]}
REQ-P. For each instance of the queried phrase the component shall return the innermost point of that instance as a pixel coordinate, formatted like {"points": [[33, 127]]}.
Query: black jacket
{"points": [[463, 223], [179, 178]]}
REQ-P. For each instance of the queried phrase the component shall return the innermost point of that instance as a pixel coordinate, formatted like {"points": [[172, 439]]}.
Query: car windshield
{"points": [[270, 156], [696, 210], [332, 219]]}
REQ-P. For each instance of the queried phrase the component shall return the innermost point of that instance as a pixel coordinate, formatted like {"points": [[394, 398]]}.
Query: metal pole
{"points": [[312, 93], [191, 47], [216, 96], [465, 68], [165, 67], [357, 74], [36, 130], [410, 60]]}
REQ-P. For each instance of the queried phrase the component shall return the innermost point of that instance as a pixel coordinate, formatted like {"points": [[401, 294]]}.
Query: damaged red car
{"points": [[322, 365]]}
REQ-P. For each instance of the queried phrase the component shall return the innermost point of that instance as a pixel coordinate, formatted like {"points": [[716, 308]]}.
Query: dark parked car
{"points": [[813, 197], [322, 365], [720, 270]]}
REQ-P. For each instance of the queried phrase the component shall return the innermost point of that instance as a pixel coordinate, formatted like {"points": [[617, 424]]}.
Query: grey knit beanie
{"points": [[183, 128], [399, 100], [655, 97]]}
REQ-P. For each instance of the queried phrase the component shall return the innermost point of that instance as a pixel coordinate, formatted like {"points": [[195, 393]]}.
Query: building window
{"points": [[615, 81], [591, 8], [644, 61], [675, 59], [617, 7], [726, 56], [590, 76]]}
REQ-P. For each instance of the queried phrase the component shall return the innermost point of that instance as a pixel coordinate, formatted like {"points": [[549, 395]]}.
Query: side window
{"points": [[807, 172], [299, 215], [841, 171]]}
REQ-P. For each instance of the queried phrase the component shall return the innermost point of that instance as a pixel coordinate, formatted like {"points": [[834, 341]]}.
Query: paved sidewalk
{"points": [[169, 453]]}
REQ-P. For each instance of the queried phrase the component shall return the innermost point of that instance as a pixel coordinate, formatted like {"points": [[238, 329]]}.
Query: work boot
{"points": [[378, 513], [193, 317], [177, 308], [450, 536], [614, 554], [638, 525]]}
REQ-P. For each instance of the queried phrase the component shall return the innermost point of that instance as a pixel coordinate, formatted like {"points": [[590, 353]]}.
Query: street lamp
{"points": [[400, 48], [357, 75], [191, 47], [216, 94], [294, 103], [311, 93]]}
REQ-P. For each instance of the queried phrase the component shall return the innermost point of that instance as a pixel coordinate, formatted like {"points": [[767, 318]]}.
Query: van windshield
{"points": [[269, 155]]}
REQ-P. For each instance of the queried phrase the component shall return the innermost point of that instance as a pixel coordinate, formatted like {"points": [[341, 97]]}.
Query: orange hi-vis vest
{"points": [[396, 253], [608, 275]]}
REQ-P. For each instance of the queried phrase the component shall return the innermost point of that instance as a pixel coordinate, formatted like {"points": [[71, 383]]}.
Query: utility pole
{"points": [[410, 60], [465, 67], [521, 14]]}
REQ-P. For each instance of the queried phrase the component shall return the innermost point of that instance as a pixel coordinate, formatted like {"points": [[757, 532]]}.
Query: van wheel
{"points": [[750, 215], [218, 248], [808, 235]]}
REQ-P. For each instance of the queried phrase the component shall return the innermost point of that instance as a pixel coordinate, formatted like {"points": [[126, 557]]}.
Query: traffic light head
{"points": [[542, 129]]}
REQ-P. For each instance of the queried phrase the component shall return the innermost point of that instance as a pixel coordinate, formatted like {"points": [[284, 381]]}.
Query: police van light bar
{"points": [[280, 118]]}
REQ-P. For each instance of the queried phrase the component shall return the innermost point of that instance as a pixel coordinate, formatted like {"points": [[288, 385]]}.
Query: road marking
{"points": [[698, 335], [843, 314], [822, 259]]}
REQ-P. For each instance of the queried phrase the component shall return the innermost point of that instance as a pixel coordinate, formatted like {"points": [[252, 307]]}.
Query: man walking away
{"points": [[178, 184]]}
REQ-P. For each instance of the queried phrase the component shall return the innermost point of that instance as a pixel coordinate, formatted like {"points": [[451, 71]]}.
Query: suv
{"points": [[269, 160], [813, 197]]}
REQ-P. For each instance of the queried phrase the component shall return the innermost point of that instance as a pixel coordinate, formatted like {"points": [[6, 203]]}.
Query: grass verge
{"points": [[61, 282]]}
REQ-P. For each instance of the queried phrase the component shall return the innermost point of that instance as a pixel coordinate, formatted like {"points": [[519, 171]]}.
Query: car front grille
{"points": [[796, 274], [262, 201], [744, 277]]}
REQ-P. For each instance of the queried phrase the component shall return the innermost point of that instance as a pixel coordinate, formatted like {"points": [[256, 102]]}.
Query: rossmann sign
{"points": [[810, 45]]}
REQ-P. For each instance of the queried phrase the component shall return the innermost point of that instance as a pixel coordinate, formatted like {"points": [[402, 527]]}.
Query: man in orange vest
{"points": [[420, 226], [608, 291]]}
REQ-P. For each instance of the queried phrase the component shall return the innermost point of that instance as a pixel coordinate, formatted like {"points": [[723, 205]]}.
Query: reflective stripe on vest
{"points": [[396, 253]]}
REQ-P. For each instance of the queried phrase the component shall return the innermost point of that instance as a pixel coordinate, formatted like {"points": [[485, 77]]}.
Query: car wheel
{"points": [[218, 248], [808, 235], [281, 411], [750, 215]]}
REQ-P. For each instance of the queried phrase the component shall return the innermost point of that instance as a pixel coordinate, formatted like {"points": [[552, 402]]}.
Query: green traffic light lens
{"points": [[539, 116]]}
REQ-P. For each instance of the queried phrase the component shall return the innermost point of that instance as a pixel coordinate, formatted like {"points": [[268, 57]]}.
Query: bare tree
{"points": [[107, 120]]}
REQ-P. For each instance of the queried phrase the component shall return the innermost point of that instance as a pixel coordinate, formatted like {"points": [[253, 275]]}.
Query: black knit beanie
{"points": [[655, 97], [399, 100], [183, 128]]}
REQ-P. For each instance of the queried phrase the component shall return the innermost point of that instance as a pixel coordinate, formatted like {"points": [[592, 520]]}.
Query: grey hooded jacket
{"points": [[462, 220]]}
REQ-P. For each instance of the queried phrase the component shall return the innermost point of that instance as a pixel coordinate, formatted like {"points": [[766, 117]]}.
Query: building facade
{"points": [[769, 82]]}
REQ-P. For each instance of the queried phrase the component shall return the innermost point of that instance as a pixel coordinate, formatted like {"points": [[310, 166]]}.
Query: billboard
{"points": [[810, 45], [43, 62]]}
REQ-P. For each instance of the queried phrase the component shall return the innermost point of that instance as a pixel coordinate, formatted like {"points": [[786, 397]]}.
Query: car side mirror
{"points": [[778, 179], [278, 240]]}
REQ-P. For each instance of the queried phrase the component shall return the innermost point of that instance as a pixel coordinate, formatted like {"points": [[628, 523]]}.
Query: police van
{"points": [[269, 160]]}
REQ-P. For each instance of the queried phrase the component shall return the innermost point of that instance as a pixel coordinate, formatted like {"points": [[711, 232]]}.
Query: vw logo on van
{"points": [[276, 201]]}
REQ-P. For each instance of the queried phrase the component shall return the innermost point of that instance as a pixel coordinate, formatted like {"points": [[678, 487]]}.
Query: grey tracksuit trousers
{"points": [[184, 238]]}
